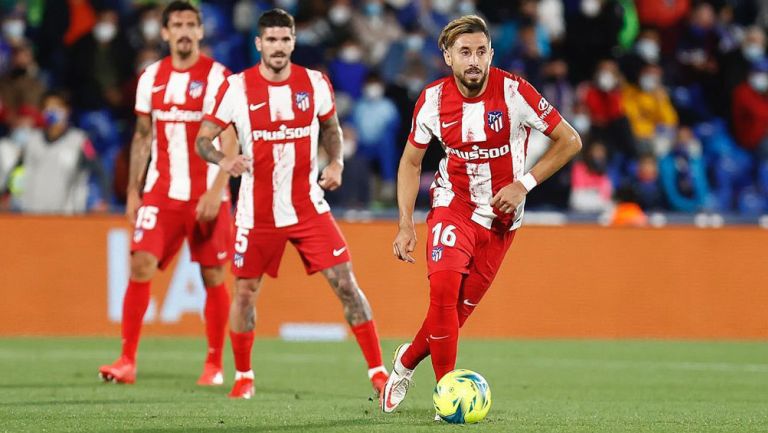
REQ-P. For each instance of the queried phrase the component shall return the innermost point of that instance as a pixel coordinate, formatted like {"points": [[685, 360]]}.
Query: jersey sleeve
{"points": [[144, 92], [536, 111], [216, 79], [221, 110], [324, 99], [421, 132]]}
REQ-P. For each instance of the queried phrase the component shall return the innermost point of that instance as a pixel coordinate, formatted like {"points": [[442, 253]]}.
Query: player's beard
{"points": [[272, 64], [473, 85], [188, 49]]}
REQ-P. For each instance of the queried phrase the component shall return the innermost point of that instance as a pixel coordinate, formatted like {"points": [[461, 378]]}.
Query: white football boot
{"points": [[399, 381]]}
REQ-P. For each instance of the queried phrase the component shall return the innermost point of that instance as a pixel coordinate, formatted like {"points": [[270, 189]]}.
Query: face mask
{"points": [[288, 5], [648, 50], [14, 29], [373, 91], [759, 81], [339, 15], [414, 43], [581, 123], [373, 9], [606, 81], [590, 8], [442, 6], [467, 8], [20, 135], [104, 32], [691, 147], [350, 54], [649, 82], [150, 29], [53, 116], [753, 52]]}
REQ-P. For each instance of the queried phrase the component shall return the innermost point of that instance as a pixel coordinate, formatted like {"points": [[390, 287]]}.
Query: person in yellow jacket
{"points": [[650, 111]]}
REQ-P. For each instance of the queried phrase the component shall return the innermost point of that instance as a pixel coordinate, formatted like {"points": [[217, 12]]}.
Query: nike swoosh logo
{"points": [[158, 88], [466, 302], [221, 256], [446, 125], [388, 403], [337, 253], [255, 107], [431, 337]]}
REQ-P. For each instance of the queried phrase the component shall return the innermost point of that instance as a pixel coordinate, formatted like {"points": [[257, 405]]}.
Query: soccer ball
{"points": [[462, 396]]}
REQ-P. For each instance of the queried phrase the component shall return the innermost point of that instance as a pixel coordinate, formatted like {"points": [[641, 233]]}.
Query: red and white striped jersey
{"points": [[485, 141], [278, 124], [176, 101]]}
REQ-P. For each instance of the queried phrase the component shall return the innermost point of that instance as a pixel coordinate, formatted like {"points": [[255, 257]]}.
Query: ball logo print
{"points": [[462, 396]]}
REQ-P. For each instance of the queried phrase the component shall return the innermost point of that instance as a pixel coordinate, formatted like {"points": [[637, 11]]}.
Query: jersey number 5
{"points": [[447, 238]]}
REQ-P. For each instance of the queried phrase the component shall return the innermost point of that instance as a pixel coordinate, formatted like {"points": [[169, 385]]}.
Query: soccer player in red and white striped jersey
{"points": [[482, 116], [183, 197], [283, 113]]}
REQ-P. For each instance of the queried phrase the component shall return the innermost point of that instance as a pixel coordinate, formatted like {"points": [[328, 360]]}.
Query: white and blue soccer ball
{"points": [[462, 396]]}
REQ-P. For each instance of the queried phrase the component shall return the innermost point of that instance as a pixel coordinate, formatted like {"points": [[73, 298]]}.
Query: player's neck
{"points": [[470, 93], [275, 76], [183, 63]]}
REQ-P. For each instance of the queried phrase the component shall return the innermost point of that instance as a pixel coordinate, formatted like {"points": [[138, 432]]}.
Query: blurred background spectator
{"points": [[624, 73]]}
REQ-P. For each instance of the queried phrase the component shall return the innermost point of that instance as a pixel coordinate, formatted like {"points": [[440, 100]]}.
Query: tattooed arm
{"points": [[235, 165], [208, 206], [140, 151], [331, 140]]}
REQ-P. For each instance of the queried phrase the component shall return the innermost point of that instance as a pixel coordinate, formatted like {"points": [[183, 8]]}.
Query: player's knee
{"points": [[143, 266], [246, 291]]}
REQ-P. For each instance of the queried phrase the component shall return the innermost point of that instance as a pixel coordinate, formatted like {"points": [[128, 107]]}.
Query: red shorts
{"points": [[161, 229], [318, 240], [456, 243]]}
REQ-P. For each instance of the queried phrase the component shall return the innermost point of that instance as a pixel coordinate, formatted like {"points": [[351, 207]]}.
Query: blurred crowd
{"points": [[670, 96]]}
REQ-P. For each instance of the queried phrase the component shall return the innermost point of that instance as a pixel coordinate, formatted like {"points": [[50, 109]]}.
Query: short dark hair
{"points": [[59, 94], [276, 18], [460, 26], [179, 6]]}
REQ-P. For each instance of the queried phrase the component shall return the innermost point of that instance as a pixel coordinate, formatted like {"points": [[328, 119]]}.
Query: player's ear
{"points": [[200, 32], [491, 52], [165, 34], [257, 41], [447, 57]]}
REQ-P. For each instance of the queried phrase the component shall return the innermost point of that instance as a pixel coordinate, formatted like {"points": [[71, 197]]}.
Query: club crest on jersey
{"points": [[238, 260], [437, 253], [302, 101], [196, 89], [495, 121]]}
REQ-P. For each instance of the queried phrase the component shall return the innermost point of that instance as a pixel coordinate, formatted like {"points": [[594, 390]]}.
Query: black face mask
{"points": [[18, 72], [594, 166]]}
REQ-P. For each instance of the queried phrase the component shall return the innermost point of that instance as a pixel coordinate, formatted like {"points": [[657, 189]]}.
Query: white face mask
{"points": [[606, 81], [753, 52], [590, 8], [649, 82], [350, 54], [581, 123], [443, 6], [150, 29], [339, 15], [759, 81], [414, 43], [104, 32], [373, 91], [14, 29], [467, 8], [648, 50]]}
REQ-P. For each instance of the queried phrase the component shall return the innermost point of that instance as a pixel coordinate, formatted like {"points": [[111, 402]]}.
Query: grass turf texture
{"points": [[538, 386]]}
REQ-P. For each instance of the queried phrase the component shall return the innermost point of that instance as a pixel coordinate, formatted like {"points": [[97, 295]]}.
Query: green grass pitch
{"points": [[538, 386]]}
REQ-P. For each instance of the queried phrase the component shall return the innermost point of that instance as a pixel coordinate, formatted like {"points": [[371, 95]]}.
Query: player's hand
{"points": [[132, 205], [236, 165], [330, 179], [208, 206], [404, 244], [509, 197]]}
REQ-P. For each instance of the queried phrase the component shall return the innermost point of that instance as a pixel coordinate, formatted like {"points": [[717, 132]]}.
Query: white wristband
{"points": [[528, 181]]}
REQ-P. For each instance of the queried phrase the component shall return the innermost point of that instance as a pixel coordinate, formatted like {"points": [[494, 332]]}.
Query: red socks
{"points": [[242, 343], [418, 350], [443, 320], [135, 304], [368, 340], [216, 317]]}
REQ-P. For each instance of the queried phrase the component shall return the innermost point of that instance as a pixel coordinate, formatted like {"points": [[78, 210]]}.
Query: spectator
{"points": [[645, 184], [737, 64], [592, 35], [355, 190], [591, 188], [750, 111], [683, 176], [557, 89], [347, 70], [376, 28], [12, 32], [376, 120], [647, 51], [12, 147], [649, 110], [22, 85], [146, 34], [56, 162]]}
